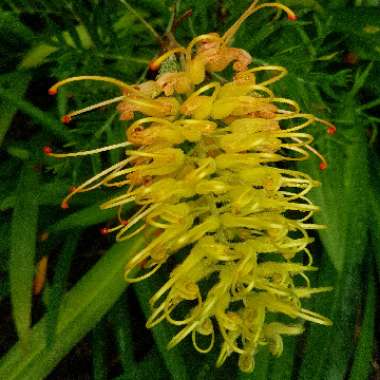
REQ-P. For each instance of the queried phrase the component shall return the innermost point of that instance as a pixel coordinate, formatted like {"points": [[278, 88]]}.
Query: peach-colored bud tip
{"points": [[64, 205], [331, 130], [52, 91], [323, 166], [104, 231], [65, 119], [47, 150], [292, 17]]}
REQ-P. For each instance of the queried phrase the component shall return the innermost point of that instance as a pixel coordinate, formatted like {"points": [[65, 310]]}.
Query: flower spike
{"points": [[203, 174]]}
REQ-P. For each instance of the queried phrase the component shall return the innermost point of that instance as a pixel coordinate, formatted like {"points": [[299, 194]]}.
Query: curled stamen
{"points": [[67, 118], [323, 165], [252, 9], [331, 128], [124, 86], [49, 151], [276, 78], [84, 186]]}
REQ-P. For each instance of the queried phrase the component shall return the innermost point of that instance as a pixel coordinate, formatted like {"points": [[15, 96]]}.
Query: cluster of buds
{"points": [[200, 166]]}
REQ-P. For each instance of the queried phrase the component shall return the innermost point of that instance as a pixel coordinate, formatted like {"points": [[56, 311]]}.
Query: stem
{"points": [[143, 21]]}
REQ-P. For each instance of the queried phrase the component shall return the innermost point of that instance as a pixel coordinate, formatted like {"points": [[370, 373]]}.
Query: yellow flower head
{"points": [[201, 167]]}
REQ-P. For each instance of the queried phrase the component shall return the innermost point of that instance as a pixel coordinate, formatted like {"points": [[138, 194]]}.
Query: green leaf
{"points": [[17, 82], [57, 289], [51, 194], [83, 218], [121, 323], [361, 27], [36, 56], [49, 124], [162, 333], [23, 245], [4, 288], [83, 306], [99, 349], [362, 368], [374, 224], [15, 37], [345, 209], [282, 368], [150, 368], [260, 371]]}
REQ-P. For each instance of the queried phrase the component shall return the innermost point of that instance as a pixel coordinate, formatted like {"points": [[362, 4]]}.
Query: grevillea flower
{"points": [[200, 166]]}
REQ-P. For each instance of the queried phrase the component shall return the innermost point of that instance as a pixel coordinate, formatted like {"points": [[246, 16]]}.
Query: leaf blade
{"points": [[23, 242]]}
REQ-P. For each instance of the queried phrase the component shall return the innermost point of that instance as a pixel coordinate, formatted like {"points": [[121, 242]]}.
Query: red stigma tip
{"points": [[65, 119], [52, 91], [153, 66], [104, 231], [323, 166], [47, 150], [64, 205], [292, 17], [331, 130]]}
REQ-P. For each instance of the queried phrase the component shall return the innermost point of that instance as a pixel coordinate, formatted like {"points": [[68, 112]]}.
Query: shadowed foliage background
{"points": [[85, 323]]}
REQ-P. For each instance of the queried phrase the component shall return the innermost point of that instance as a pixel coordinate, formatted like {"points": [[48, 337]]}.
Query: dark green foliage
{"points": [[332, 54]]}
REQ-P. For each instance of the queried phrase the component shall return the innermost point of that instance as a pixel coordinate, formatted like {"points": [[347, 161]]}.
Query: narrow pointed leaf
{"points": [[17, 82], [83, 306], [362, 367], [346, 211], [162, 334], [57, 289], [23, 245]]}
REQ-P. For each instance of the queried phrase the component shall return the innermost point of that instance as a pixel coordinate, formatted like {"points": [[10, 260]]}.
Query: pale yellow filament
{"points": [[99, 78], [94, 106], [93, 151]]}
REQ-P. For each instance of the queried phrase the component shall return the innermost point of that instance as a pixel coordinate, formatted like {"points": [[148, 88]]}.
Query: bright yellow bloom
{"points": [[200, 167]]}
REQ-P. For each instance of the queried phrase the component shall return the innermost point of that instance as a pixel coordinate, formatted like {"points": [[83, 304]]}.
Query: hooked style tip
{"points": [[65, 119], [47, 150], [104, 231], [64, 205], [154, 66], [52, 91], [331, 130], [323, 166], [292, 17]]}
